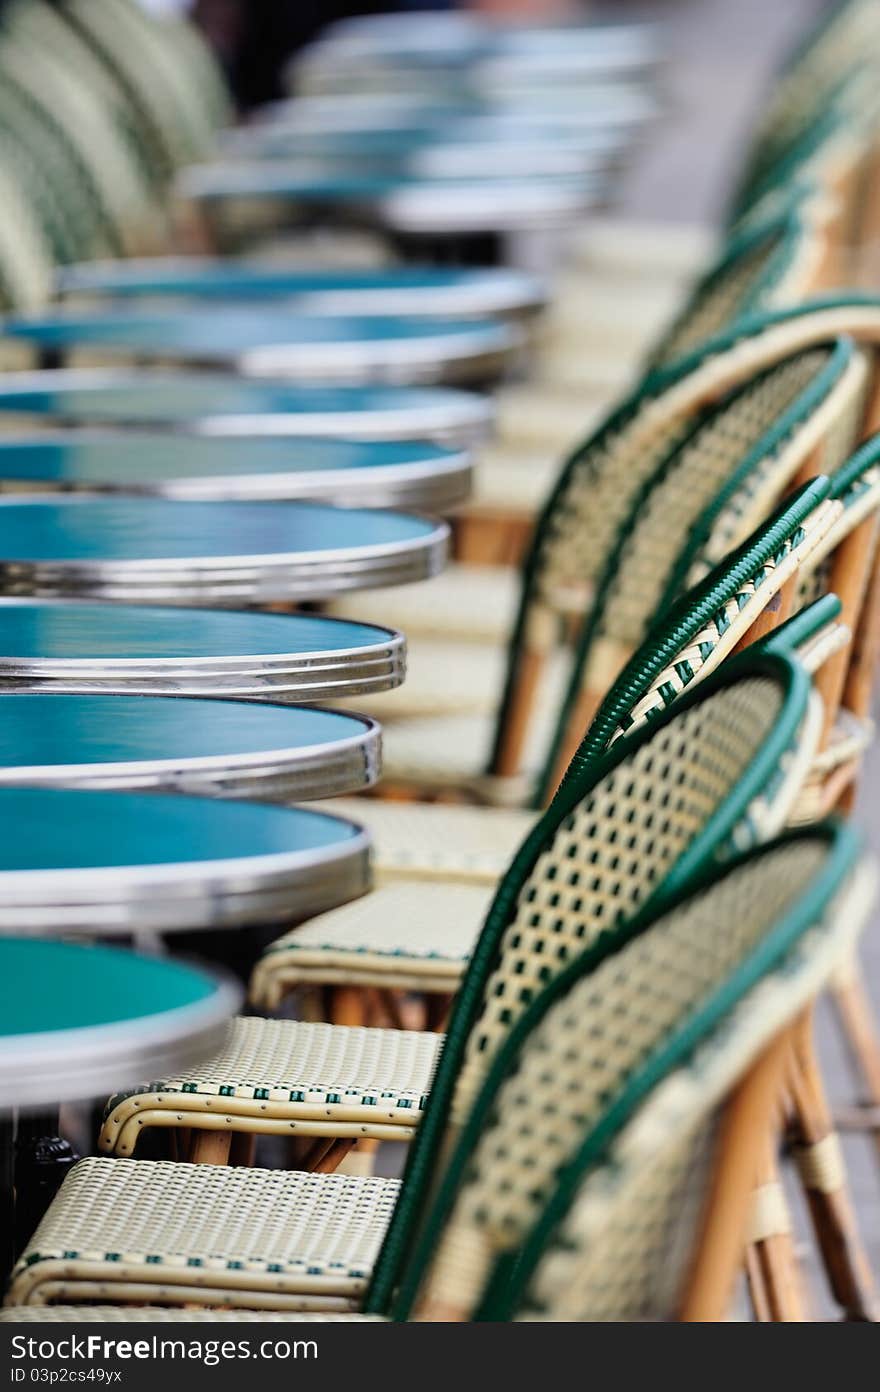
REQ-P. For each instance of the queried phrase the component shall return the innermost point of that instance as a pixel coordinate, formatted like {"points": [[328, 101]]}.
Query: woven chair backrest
{"points": [[688, 642], [843, 40], [766, 264], [619, 1239], [169, 70], [704, 500], [575, 1068], [716, 774], [597, 489], [100, 153]]}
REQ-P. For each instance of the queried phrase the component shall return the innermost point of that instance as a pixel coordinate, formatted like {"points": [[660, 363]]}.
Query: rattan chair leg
{"points": [[823, 1174], [495, 537], [508, 757], [776, 1286], [333, 1156], [849, 580], [210, 1147], [348, 1006], [865, 650], [751, 1116], [859, 1029], [243, 1149]]}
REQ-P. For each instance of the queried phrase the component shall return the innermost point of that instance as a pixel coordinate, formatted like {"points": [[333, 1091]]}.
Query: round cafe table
{"points": [[110, 864], [452, 291], [77, 1022], [152, 550], [447, 207], [260, 340], [215, 748], [76, 646], [418, 60], [225, 404], [370, 473]]}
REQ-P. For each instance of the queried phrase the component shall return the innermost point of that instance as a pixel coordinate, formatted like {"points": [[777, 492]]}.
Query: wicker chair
{"points": [[401, 937], [582, 535], [846, 34], [101, 175], [756, 944], [581, 1061], [776, 264], [698, 775], [584, 525]]}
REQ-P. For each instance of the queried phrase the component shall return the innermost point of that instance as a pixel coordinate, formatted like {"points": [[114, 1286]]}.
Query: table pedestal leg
{"points": [[42, 1159]]}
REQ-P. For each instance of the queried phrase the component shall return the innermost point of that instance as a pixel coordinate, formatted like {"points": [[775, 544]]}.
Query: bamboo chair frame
{"points": [[483, 1262]]}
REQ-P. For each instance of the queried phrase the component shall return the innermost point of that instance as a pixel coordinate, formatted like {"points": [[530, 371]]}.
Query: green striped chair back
{"points": [[712, 776], [590, 1057]]}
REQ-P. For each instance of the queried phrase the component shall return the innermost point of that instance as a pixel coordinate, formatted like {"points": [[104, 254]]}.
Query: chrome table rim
{"points": [[232, 580], [294, 679], [68, 1065], [277, 775], [185, 896], [505, 293], [437, 486], [449, 360]]}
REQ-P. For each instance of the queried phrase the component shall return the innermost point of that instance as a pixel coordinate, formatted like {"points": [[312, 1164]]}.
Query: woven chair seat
{"points": [[475, 603], [161, 1233], [537, 416], [155, 1314], [446, 678], [403, 937], [619, 247], [292, 1078], [592, 315], [436, 841], [443, 677], [455, 750], [517, 481]]}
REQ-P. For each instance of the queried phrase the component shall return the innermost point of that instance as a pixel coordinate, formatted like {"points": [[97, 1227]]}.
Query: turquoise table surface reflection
{"points": [[373, 473], [491, 202], [215, 748], [78, 1022], [225, 404], [397, 290], [72, 645], [93, 864], [151, 550], [304, 348]]}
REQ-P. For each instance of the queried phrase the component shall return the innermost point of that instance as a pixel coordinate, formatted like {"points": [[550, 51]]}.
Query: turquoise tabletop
{"points": [[155, 550], [76, 860], [228, 404], [398, 139], [222, 748], [69, 645], [303, 347], [497, 202], [86, 987], [77, 1021], [375, 473], [398, 290]]}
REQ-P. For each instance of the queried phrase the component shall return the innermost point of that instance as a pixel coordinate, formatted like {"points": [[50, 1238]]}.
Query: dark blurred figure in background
{"points": [[255, 38]]}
